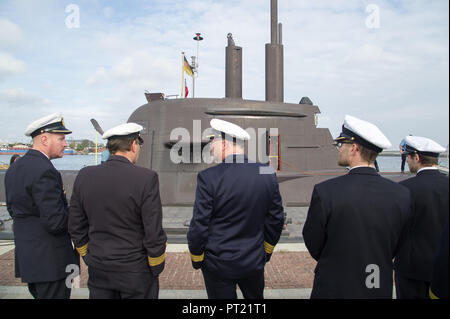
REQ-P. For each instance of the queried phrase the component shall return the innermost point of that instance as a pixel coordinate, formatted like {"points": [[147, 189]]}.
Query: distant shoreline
{"points": [[397, 153], [384, 153]]}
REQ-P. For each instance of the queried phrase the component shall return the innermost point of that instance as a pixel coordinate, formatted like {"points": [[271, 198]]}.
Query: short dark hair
{"points": [[428, 160], [120, 144], [368, 154]]}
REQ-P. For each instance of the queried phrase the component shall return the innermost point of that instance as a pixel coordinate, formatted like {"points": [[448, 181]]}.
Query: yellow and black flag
{"points": [[187, 67]]}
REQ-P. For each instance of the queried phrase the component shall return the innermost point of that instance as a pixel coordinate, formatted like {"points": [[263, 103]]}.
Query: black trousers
{"points": [[404, 156], [122, 285], [407, 288], [50, 290], [224, 288]]}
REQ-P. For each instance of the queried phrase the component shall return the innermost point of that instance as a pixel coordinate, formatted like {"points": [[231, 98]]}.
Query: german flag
{"points": [[187, 68]]}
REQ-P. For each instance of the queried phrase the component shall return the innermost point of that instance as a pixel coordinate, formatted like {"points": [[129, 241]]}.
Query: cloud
{"points": [[149, 67], [9, 65], [98, 77], [11, 35], [18, 98], [108, 12], [18, 109], [145, 70], [372, 53]]}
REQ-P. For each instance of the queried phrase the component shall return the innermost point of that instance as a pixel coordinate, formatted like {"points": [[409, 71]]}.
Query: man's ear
{"points": [[417, 157], [133, 146], [43, 139], [355, 147]]}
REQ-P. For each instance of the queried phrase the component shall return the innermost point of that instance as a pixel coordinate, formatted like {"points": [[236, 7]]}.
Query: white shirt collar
{"points": [[42, 153], [361, 166], [426, 168]]}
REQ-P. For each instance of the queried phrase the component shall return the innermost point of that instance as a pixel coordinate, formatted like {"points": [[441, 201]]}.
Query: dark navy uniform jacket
{"points": [[115, 217], [353, 230], [429, 191], [237, 220], [439, 283], [37, 203]]}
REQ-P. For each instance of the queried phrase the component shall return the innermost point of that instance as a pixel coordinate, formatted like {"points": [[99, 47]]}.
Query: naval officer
{"points": [[429, 191], [37, 203], [355, 222], [115, 221], [237, 218]]}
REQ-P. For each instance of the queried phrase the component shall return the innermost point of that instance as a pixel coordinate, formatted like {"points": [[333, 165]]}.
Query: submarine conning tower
{"points": [[274, 63]]}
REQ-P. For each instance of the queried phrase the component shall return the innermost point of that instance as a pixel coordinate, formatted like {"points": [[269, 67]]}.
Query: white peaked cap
{"points": [[53, 123], [423, 145], [230, 129], [123, 130], [364, 133]]}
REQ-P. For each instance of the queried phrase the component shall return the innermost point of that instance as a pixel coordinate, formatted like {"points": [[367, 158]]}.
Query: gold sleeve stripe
{"points": [[155, 261], [82, 250], [268, 247], [432, 295], [197, 258]]}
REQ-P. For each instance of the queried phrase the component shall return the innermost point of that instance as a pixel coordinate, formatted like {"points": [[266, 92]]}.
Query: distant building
{"points": [[20, 146], [83, 142], [3, 143]]}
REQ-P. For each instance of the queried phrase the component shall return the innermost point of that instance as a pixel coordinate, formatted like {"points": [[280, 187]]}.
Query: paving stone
{"points": [[291, 270]]}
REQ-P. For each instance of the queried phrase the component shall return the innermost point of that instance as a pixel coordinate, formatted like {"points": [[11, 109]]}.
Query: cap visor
{"points": [[342, 137], [60, 130]]}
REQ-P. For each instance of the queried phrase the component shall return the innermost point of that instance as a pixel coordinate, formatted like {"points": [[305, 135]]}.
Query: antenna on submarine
{"points": [[274, 58], [197, 38]]}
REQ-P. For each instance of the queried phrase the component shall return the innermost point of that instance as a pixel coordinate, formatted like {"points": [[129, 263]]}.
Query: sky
{"points": [[384, 61]]}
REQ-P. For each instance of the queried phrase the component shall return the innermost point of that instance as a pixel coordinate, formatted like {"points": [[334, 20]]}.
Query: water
{"points": [[77, 162], [393, 163], [68, 162]]}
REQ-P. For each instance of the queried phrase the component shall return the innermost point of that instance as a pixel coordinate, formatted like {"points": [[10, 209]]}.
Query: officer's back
{"points": [[242, 197], [355, 222], [365, 215], [114, 221], [237, 218], [429, 192]]}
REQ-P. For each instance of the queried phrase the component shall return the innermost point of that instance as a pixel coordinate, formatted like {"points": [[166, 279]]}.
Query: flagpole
{"points": [[193, 82], [197, 38], [196, 64], [96, 143], [182, 74]]}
